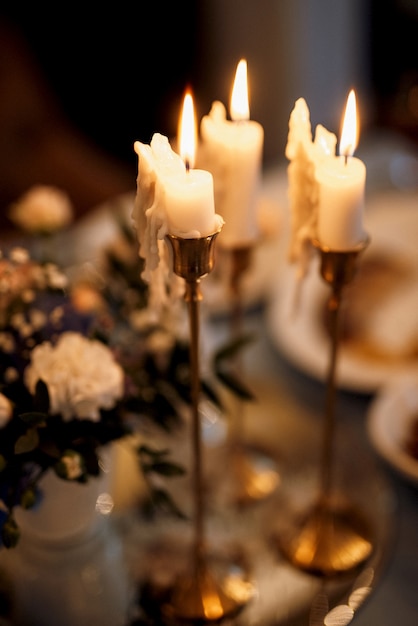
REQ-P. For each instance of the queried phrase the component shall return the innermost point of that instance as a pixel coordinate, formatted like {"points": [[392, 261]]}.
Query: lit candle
{"points": [[232, 151], [171, 198], [341, 181], [189, 193]]}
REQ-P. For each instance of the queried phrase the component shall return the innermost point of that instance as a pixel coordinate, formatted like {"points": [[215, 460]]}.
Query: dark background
{"points": [[117, 73]]}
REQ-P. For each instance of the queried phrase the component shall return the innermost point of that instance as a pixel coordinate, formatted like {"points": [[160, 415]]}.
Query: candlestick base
{"points": [[202, 597], [329, 540], [254, 475]]}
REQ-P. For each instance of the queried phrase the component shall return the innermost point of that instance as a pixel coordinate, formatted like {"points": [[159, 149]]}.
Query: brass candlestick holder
{"points": [[198, 595], [332, 538], [254, 476]]}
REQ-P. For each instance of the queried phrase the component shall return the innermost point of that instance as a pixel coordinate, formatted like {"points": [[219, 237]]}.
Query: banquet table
{"points": [[285, 421]]}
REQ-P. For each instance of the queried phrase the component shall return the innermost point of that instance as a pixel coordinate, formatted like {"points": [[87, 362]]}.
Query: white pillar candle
{"points": [[176, 198], [189, 204], [341, 182], [232, 151], [341, 202], [171, 198], [189, 195]]}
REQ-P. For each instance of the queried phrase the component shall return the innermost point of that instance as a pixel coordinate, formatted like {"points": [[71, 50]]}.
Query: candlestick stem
{"points": [[198, 595], [333, 537], [240, 263], [193, 297], [241, 259], [253, 474], [334, 304]]}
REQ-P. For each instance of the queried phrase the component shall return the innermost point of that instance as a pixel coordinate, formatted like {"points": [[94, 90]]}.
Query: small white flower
{"points": [[56, 279], [10, 375], [142, 319], [38, 319], [81, 374], [19, 255], [28, 296], [6, 410], [7, 342], [160, 341], [42, 209], [56, 315], [73, 465]]}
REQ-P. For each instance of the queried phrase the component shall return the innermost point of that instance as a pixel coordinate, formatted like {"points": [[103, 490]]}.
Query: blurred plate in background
{"points": [[379, 334], [393, 426]]}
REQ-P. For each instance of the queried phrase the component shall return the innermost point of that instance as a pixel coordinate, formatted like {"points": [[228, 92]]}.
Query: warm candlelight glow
{"points": [[232, 151], [349, 134], [240, 109], [188, 132]]}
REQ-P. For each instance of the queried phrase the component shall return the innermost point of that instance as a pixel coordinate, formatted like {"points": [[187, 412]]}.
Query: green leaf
{"points": [[41, 400], [210, 392], [164, 468], [162, 501], [230, 381], [144, 450], [27, 442], [28, 498], [10, 532], [231, 349], [33, 418]]}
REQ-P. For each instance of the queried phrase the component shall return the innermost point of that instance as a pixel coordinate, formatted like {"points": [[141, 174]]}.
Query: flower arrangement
{"points": [[61, 390], [84, 362]]}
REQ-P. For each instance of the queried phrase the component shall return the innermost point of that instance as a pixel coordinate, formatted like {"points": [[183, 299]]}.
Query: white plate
{"points": [[392, 223], [389, 424]]}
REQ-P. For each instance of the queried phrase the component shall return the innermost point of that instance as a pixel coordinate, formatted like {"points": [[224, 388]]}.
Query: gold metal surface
{"points": [[193, 258], [251, 481], [331, 540], [199, 595]]}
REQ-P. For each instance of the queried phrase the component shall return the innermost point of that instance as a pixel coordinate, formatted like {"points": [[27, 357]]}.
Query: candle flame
{"points": [[188, 131], [240, 109], [350, 130]]}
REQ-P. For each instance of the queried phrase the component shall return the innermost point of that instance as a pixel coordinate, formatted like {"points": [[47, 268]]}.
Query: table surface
{"points": [[394, 598], [289, 399]]}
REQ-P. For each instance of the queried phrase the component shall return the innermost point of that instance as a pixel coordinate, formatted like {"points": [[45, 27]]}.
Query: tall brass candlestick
{"points": [[198, 595], [251, 480], [332, 538]]}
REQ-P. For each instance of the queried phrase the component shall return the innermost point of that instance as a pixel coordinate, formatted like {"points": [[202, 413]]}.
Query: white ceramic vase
{"points": [[69, 565]]}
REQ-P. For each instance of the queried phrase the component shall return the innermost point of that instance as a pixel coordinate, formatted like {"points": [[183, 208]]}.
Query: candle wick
{"points": [[187, 164], [346, 158]]}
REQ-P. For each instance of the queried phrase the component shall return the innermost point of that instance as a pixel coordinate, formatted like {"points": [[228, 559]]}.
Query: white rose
{"points": [[81, 374], [42, 209], [6, 410]]}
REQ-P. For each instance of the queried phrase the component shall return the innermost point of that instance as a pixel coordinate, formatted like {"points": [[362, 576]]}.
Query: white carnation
{"points": [[81, 375], [42, 209]]}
